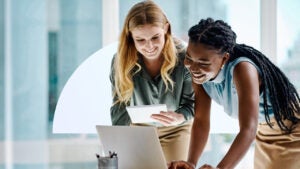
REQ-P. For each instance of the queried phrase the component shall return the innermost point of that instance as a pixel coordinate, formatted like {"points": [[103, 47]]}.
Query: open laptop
{"points": [[137, 147]]}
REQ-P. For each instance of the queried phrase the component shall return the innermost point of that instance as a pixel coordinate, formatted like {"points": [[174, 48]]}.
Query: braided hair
{"points": [[282, 93]]}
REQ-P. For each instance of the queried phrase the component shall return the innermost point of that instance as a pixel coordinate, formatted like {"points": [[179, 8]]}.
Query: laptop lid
{"points": [[136, 146]]}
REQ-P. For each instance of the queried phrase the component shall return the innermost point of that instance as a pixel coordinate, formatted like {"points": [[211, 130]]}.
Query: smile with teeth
{"points": [[197, 76], [151, 51]]}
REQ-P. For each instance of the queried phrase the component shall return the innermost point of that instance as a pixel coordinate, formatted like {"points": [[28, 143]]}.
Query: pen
{"points": [[112, 154]]}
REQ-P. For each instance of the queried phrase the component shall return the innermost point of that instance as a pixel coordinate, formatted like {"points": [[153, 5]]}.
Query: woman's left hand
{"points": [[207, 166], [169, 118]]}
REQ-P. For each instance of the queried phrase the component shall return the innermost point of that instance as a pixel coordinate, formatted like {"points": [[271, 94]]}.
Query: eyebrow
{"points": [[187, 55], [137, 37]]}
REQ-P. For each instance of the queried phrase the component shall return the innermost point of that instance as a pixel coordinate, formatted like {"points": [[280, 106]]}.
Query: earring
{"points": [[222, 66]]}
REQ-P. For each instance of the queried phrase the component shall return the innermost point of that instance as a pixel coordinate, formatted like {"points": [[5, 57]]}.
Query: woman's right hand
{"points": [[181, 165]]}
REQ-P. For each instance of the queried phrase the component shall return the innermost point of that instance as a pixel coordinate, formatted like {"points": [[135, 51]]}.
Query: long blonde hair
{"points": [[142, 13]]}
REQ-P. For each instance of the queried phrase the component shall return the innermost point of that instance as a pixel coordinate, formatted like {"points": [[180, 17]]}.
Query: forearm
{"points": [[199, 136], [238, 149]]}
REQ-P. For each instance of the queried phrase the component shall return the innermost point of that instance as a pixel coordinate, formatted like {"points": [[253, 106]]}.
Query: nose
{"points": [[149, 44], [193, 67]]}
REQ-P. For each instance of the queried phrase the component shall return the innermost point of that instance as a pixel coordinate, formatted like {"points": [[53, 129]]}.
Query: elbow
{"points": [[249, 132], [252, 135], [203, 126]]}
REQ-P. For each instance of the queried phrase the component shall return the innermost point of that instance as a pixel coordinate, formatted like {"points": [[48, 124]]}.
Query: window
{"points": [[288, 43]]}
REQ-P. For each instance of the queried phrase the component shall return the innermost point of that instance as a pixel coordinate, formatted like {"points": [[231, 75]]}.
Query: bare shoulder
{"points": [[245, 68]]}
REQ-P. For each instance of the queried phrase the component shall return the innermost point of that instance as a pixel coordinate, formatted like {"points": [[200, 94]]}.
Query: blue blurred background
{"points": [[42, 42]]}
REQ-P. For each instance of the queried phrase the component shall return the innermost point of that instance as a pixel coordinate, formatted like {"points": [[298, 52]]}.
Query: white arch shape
{"points": [[86, 98]]}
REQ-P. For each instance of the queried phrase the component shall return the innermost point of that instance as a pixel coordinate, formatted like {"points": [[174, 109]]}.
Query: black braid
{"points": [[283, 96]]}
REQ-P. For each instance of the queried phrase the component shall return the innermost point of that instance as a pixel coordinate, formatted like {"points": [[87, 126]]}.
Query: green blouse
{"points": [[149, 91]]}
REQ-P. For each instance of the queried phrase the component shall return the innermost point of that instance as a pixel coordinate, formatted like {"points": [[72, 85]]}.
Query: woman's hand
{"points": [[169, 118], [180, 165]]}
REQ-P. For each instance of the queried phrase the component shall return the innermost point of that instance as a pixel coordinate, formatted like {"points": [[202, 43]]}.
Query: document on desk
{"points": [[142, 114]]}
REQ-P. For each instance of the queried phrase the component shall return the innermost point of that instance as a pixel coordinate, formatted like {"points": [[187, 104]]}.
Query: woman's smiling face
{"points": [[204, 63], [149, 40]]}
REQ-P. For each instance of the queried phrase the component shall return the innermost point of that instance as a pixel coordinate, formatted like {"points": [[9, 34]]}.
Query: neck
{"points": [[153, 66]]}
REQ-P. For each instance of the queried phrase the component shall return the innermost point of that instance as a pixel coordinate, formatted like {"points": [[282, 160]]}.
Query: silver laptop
{"points": [[137, 147]]}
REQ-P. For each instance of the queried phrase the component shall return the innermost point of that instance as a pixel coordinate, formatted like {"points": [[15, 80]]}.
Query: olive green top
{"points": [[149, 91]]}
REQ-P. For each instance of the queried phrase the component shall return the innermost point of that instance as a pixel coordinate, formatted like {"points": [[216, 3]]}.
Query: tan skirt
{"points": [[174, 140], [276, 150]]}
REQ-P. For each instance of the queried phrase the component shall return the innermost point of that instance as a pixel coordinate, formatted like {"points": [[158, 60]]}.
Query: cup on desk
{"points": [[107, 162]]}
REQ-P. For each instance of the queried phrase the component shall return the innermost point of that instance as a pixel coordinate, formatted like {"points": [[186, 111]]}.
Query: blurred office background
{"points": [[42, 42]]}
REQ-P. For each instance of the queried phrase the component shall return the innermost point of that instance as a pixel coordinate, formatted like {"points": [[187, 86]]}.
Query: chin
{"points": [[198, 81], [152, 56]]}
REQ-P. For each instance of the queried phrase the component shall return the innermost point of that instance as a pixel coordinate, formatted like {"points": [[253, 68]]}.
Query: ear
{"points": [[225, 58], [166, 27]]}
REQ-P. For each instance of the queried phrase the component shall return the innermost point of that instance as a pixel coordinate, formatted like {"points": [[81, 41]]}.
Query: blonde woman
{"points": [[148, 69]]}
